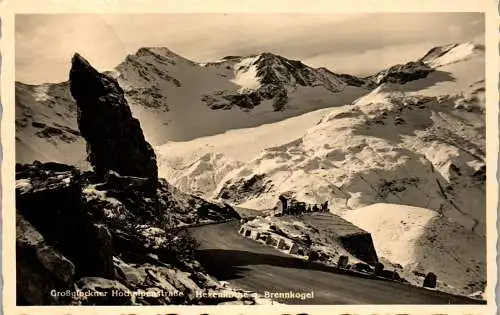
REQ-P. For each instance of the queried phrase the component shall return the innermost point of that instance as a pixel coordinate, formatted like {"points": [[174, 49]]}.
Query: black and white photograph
{"points": [[250, 159]]}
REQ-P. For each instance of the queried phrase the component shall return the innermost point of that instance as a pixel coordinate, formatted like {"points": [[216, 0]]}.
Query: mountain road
{"points": [[250, 265]]}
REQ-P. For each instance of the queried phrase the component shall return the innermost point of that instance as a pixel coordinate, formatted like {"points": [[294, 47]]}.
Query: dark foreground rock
{"points": [[104, 241], [40, 268], [115, 140]]}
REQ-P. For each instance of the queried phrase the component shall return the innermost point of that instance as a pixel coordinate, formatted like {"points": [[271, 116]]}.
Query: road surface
{"points": [[249, 265]]}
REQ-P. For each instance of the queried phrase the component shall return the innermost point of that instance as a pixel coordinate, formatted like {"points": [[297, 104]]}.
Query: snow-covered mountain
{"points": [[400, 141], [419, 144], [46, 125], [465, 81], [267, 77], [177, 99]]}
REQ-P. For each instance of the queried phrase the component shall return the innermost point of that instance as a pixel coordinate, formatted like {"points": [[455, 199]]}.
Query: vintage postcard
{"points": [[217, 157]]}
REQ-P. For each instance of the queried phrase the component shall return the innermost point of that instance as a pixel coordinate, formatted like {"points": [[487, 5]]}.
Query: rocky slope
{"points": [[199, 176], [198, 166], [110, 239], [109, 236]]}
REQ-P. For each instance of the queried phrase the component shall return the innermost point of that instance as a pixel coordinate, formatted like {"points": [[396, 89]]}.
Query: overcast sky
{"points": [[350, 43]]}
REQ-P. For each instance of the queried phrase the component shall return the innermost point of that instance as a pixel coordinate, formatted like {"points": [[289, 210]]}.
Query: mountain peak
{"points": [[78, 62], [267, 54], [162, 51], [270, 57], [162, 55]]}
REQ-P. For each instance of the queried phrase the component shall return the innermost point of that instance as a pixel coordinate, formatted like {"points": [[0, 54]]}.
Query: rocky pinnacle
{"points": [[115, 141]]}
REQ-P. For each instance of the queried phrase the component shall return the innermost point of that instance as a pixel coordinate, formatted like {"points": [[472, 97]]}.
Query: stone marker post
{"points": [[343, 262], [430, 280], [379, 269]]}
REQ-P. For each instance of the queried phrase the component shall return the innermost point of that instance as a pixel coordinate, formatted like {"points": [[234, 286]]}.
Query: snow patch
{"points": [[413, 236], [41, 93], [24, 185], [246, 75]]}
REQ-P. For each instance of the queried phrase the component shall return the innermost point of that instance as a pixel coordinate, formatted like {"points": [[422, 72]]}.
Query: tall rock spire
{"points": [[115, 141]]}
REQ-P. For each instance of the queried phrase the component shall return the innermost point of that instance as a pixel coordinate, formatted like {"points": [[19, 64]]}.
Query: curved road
{"points": [[247, 264]]}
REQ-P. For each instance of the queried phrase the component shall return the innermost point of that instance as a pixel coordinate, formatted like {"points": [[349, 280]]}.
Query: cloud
{"points": [[373, 60], [355, 43]]}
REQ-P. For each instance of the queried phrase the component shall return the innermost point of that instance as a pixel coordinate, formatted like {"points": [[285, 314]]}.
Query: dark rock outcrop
{"points": [[40, 267], [50, 197], [402, 74], [115, 140], [360, 246], [78, 233]]}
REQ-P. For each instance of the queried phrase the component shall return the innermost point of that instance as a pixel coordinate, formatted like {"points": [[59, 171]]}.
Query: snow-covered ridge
{"points": [[267, 68], [160, 53], [451, 54]]}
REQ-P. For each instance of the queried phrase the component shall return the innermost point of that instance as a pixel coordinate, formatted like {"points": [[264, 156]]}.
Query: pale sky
{"points": [[358, 44]]}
